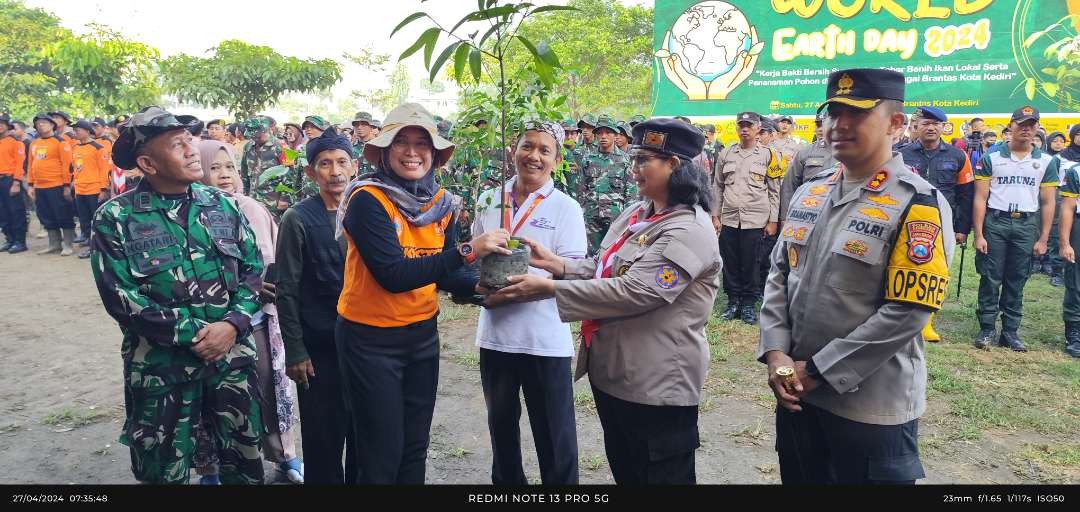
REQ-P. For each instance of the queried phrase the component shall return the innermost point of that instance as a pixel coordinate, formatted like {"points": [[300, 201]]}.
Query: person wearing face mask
{"points": [[399, 252]]}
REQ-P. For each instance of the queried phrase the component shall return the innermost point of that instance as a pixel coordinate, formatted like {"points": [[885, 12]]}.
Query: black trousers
{"points": [[648, 444], [85, 206], [764, 262], [549, 394], [817, 447], [327, 424], [389, 376], [12, 211], [53, 210], [739, 250]]}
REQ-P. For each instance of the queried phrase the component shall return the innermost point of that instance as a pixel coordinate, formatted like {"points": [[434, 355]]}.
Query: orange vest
{"points": [[12, 155], [364, 301], [50, 163], [90, 163]]}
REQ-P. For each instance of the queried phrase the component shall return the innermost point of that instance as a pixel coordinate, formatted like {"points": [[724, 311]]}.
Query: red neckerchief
{"points": [[589, 327]]}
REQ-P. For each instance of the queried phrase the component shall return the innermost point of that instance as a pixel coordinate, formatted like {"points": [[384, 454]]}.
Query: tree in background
{"points": [[28, 82], [392, 96], [245, 78], [116, 75], [606, 48]]}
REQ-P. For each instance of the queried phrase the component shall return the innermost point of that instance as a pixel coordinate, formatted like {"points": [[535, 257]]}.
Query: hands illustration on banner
{"points": [[700, 86]]}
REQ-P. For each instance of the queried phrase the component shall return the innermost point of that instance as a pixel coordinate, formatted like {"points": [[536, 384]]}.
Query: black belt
{"points": [[1011, 215]]}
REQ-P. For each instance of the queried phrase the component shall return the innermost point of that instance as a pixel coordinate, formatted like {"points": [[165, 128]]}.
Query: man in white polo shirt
{"points": [[1015, 188], [526, 347]]}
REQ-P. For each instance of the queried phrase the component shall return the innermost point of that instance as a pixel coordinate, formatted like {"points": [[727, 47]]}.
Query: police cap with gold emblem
{"points": [[1024, 114], [668, 135], [748, 117], [863, 88], [144, 126]]}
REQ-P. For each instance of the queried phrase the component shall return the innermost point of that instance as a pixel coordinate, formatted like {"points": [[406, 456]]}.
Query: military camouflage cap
{"points": [[624, 128], [587, 120], [375, 123], [256, 125], [361, 117], [636, 119], [606, 121], [569, 125], [144, 126], [316, 121]]}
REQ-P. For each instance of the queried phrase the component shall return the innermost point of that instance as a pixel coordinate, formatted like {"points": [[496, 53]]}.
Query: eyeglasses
{"points": [[640, 159]]}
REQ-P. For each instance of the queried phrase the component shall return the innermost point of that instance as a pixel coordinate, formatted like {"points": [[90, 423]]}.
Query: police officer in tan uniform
{"points": [[746, 206], [807, 163], [862, 262], [784, 141], [644, 302]]}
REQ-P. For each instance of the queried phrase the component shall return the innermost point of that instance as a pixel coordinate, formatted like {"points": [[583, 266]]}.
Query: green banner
{"points": [[720, 57]]}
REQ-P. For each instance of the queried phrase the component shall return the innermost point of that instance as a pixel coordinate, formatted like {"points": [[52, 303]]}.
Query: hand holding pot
{"points": [[524, 288], [493, 241], [542, 258]]}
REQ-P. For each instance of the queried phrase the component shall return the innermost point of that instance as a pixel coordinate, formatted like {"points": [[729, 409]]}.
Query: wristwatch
{"points": [[467, 253], [812, 371]]}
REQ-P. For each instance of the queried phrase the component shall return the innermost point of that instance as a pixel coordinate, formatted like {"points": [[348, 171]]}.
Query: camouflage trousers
{"points": [[161, 424], [595, 229]]}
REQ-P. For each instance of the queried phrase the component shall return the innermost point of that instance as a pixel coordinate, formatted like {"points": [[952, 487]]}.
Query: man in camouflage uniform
{"points": [[623, 137], [177, 267], [568, 171], [610, 162], [366, 130], [260, 153], [588, 138], [638, 118]]}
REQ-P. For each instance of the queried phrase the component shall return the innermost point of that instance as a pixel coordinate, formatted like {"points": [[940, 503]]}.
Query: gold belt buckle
{"points": [[1015, 215]]}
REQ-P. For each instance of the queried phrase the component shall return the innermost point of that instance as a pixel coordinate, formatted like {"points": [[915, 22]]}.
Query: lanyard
{"points": [[525, 216]]}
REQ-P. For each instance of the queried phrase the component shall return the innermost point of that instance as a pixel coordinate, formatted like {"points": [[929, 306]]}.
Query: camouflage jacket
{"points": [[167, 267], [595, 164], [568, 173], [358, 153], [612, 191], [255, 160]]}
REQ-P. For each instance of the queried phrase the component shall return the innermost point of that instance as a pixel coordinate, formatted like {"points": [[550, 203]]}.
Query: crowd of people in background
{"points": [[265, 273]]}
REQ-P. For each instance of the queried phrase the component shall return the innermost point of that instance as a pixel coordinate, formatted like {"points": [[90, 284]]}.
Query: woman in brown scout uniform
{"points": [[644, 302]]}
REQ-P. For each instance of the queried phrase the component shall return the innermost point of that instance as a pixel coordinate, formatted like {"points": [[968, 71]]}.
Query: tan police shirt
{"points": [[650, 347], [854, 279], [746, 187]]}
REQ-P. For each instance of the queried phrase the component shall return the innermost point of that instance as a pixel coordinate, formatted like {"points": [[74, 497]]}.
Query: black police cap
{"points": [[1024, 114], [863, 88], [668, 135]]}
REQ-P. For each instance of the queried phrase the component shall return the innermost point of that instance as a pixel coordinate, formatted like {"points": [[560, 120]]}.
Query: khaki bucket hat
{"points": [[405, 115]]}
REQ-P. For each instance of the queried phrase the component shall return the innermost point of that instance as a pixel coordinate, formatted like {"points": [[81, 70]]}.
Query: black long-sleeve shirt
{"points": [[375, 237]]}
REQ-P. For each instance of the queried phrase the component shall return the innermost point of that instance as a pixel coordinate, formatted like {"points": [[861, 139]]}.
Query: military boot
{"points": [[1072, 339], [984, 338], [1011, 340], [730, 312], [54, 243], [68, 242]]}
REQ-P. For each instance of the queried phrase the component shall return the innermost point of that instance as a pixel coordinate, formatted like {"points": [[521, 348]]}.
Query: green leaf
{"points": [[429, 48], [1029, 88], [548, 8], [420, 42], [487, 34], [467, 18], [1050, 88], [461, 55], [411, 18], [474, 64], [547, 54], [495, 12], [437, 65]]}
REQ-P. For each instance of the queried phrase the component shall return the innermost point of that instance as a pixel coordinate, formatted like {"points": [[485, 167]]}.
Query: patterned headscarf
{"points": [[551, 128]]}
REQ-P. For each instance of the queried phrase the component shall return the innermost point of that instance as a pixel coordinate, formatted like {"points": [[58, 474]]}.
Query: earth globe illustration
{"points": [[709, 37]]}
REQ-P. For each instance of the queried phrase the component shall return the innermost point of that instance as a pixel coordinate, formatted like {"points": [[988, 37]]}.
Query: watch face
{"points": [[466, 249]]}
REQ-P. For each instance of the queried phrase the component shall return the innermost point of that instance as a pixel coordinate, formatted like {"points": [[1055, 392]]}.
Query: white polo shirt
{"points": [[557, 223], [1015, 184]]}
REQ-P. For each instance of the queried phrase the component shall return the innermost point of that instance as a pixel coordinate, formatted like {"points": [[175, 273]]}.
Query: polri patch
{"points": [[667, 276]]}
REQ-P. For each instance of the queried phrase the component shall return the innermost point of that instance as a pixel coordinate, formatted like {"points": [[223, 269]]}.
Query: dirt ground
{"points": [[61, 404]]}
